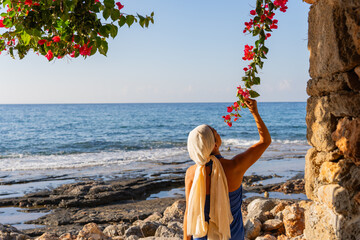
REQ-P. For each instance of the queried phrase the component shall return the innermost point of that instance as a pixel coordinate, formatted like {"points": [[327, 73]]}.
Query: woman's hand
{"points": [[252, 105]]}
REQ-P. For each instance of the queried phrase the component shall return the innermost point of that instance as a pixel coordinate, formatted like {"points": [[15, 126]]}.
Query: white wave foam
{"points": [[245, 143], [39, 162]]}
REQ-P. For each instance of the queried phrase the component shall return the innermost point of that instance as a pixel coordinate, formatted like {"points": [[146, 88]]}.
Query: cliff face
{"points": [[332, 171]]}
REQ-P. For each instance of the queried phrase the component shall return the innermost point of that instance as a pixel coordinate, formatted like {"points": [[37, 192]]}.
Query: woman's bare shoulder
{"points": [[190, 172]]}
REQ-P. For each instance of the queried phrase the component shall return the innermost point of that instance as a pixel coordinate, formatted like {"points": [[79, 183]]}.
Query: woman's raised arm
{"points": [[244, 160]]}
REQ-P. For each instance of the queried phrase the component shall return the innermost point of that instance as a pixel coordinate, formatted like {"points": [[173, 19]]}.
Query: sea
{"points": [[45, 145]]}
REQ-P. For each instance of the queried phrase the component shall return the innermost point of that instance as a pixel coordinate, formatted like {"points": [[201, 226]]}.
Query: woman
{"points": [[213, 204]]}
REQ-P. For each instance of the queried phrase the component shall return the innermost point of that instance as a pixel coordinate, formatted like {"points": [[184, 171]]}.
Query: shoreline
{"points": [[97, 196]]}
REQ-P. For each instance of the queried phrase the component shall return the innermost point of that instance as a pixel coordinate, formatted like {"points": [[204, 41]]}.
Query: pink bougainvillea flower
{"points": [[41, 42], [72, 54], [96, 1], [119, 5], [49, 55], [56, 39]]}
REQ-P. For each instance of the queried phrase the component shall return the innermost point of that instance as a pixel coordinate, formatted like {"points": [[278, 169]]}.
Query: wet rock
{"points": [[252, 228], [96, 193], [294, 220]]}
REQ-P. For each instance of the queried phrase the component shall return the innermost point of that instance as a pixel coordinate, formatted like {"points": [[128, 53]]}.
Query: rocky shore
{"points": [[120, 210]]}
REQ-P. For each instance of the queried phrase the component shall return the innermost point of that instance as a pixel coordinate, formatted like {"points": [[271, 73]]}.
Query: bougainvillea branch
{"points": [[59, 28], [259, 26]]}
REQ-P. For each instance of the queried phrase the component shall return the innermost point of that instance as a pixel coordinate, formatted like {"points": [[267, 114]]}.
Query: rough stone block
{"points": [[320, 123], [324, 85], [311, 173], [347, 138], [320, 223], [333, 37], [322, 114], [335, 197], [332, 172]]}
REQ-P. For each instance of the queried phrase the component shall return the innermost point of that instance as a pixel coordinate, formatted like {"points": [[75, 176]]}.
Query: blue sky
{"points": [[193, 53]]}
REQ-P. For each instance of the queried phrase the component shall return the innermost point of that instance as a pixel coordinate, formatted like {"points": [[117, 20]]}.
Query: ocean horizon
{"points": [[107, 141]]}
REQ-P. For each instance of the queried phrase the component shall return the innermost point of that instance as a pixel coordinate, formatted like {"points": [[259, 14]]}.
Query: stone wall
{"points": [[332, 171]]}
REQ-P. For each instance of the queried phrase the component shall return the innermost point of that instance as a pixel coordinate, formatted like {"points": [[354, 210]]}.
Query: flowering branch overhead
{"points": [[59, 28], [260, 25]]}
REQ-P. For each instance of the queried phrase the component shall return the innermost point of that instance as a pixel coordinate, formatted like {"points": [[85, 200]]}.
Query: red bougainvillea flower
{"points": [[229, 124], [49, 55], [249, 55], [96, 1], [48, 43], [41, 42], [28, 2], [236, 105], [119, 5], [72, 54], [253, 12], [56, 39], [245, 93], [227, 117], [1, 23], [229, 109], [85, 50]]}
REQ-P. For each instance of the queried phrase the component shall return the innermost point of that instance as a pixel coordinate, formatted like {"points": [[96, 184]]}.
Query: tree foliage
{"points": [[57, 28]]}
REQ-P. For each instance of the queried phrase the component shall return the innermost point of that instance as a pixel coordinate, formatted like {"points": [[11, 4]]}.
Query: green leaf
{"points": [[115, 14], [271, 6], [122, 21], [98, 41], [264, 49], [103, 48], [130, 20], [256, 81], [109, 3], [113, 31], [106, 13], [26, 38], [253, 94], [104, 31]]}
